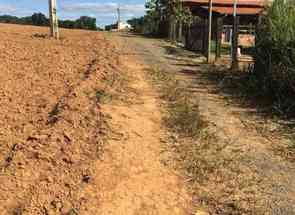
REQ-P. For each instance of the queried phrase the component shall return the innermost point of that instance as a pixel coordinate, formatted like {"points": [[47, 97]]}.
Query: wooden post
{"points": [[205, 36], [209, 31], [257, 27], [171, 28], [53, 19], [235, 37], [174, 34], [180, 31], [219, 28]]}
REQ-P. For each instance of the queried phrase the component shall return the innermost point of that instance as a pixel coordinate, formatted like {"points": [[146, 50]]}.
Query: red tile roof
{"points": [[250, 3], [240, 10], [244, 7]]}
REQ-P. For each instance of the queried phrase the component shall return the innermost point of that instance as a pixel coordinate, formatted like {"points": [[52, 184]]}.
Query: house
{"points": [[119, 26]]}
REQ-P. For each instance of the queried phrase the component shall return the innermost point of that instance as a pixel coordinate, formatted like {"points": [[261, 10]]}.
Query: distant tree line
{"points": [[39, 19], [138, 24]]}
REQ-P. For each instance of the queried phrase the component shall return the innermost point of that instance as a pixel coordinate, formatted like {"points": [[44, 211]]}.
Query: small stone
{"points": [[66, 208], [49, 179], [58, 205], [86, 178]]}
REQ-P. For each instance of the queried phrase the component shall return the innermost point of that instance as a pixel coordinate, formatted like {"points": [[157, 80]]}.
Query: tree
{"points": [[86, 22], [137, 24], [160, 14], [274, 70], [67, 24], [39, 19]]}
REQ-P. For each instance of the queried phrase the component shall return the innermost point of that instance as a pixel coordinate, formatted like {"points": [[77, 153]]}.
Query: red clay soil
{"points": [[51, 126]]}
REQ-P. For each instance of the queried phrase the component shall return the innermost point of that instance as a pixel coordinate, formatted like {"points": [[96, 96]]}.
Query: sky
{"points": [[105, 11]]}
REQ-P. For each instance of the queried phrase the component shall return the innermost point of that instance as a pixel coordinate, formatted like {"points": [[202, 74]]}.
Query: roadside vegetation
{"points": [[274, 74]]}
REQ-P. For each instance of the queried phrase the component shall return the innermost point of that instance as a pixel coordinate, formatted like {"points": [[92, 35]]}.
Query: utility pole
{"points": [[119, 17], [53, 19], [235, 38], [209, 31]]}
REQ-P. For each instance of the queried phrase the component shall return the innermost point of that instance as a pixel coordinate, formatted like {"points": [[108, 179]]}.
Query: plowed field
{"points": [[50, 123]]}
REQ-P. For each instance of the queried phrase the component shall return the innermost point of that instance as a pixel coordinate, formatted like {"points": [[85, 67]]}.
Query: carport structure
{"points": [[196, 36]]}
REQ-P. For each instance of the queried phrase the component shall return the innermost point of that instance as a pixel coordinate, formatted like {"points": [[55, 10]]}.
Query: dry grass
{"points": [[219, 175], [184, 118], [182, 115], [221, 181], [113, 88]]}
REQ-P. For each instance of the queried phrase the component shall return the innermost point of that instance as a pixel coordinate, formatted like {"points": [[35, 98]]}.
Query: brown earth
{"points": [[53, 130], [51, 127]]}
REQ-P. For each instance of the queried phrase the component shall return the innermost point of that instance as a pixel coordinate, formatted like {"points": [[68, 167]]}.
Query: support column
{"points": [[170, 28], [235, 37], [219, 28], [235, 40], [205, 31], [180, 31], [174, 33], [54, 32], [209, 31]]}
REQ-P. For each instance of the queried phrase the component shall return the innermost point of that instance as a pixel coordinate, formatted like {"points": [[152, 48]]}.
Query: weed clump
{"points": [[183, 115], [275, 54], [103, 97]]}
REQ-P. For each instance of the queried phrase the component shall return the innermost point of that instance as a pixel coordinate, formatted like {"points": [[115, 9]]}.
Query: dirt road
{"points": [[132, 179], [257, 180]]}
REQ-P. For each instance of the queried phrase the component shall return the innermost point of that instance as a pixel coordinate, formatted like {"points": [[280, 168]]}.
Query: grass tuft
{"points": [[103, 97], [182, 115], [184, 118]]}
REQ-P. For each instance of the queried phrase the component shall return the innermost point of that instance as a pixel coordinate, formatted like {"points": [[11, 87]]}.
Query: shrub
{"points": [[275, 55]]}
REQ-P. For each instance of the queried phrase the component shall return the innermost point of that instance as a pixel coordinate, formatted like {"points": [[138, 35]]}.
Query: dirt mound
{"points": [[51, 126]]}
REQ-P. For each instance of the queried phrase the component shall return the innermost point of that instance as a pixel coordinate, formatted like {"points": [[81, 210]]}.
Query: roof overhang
{"points": [[225, 7]]}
